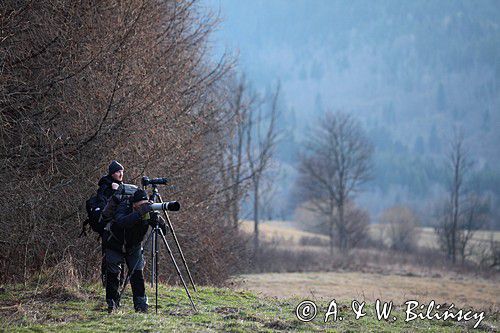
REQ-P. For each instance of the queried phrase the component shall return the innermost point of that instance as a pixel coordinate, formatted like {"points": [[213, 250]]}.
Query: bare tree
{"points": [[335, 163], [261, 139], [246, 155], [464, 212], [240, 102], [474, 216], [459, 165]]}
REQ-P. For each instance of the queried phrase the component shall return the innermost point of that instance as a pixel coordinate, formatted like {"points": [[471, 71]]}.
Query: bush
{"points": [[401, 228], [87, 82]]}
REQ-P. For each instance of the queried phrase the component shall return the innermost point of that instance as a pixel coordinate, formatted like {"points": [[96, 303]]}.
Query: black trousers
{"points": [[135, 263]]}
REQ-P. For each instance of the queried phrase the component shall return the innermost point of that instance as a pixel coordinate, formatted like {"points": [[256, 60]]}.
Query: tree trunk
{"points": [[236, 208], [342, 230], [454, 223], [330, 222], [256, 217]]}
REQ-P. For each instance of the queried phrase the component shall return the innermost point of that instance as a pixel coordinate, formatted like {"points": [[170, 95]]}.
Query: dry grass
{"points": [[373, 273], [427, 237], [290, 233], [464, 292], [286, 233]]}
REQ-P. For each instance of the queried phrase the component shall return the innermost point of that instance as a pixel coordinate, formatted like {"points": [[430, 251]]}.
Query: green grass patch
{"points": [[220, 310]]}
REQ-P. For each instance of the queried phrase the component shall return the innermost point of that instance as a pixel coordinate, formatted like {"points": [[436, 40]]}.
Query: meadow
{"points": [[25, 309], [269, 301]]}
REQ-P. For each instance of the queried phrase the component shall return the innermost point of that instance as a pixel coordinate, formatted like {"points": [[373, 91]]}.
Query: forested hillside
{"points": [[411, 72]]}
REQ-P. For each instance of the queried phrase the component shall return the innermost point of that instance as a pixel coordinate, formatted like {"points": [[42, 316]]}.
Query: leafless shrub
{"points": [[313, 241], [87, 82], [495, 254], [488, 253], [355, 223], [401, 227]]}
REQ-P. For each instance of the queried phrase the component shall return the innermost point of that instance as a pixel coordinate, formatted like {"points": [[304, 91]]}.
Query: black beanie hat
{"points": [[139, 195], [114, 167]]}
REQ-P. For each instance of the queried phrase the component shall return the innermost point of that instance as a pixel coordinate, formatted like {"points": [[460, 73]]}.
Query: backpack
{"points": [[123, 193], [94, 209]]}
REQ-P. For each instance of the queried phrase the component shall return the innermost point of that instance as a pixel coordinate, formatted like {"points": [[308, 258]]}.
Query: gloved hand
{"points": [[145, 208], [153, 218]]}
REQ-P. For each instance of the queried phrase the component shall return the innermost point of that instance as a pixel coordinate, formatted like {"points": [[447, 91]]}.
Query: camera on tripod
{"points": [[157, 234], [173, 206], [145, 181]]}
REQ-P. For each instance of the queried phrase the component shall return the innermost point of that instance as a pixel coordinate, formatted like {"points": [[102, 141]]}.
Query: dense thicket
{"points": [[85, 82]]}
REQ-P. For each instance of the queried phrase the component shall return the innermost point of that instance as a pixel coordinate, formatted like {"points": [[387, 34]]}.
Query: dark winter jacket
{"points": [[105, 190], [128, 229], [123, 193]]}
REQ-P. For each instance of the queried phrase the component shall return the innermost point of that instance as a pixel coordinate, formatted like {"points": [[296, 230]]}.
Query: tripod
{"points": [[156, 233], [156, 197]]}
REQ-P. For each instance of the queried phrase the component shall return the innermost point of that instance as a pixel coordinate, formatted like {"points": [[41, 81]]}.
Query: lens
{"points": [[158, 181], [171, 205]]}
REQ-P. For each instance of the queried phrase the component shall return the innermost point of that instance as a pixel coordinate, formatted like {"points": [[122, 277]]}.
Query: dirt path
{"points": [[477, 293]]}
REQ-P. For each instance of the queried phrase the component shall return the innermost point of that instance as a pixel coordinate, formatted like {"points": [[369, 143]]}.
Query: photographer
{"points": [[132, 220]]}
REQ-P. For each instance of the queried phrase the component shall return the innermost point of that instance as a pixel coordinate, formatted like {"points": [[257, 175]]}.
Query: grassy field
{"points": [[283, 232], [288, 233], [264, 302], [220, 310], [480, 294], [389, 280]]}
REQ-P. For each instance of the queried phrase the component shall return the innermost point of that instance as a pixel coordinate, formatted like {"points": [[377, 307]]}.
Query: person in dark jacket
{"points": [[132, 220], [110, 183], [108, 186]]}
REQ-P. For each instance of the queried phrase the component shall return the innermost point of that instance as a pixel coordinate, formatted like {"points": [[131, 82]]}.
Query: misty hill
{"points": [[410, 71]]}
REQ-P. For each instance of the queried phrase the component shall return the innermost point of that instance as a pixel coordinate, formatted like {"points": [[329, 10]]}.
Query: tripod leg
{"points": [[177, 268], [153, 266], [157, 195], [171, 227], [156, 269]]}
